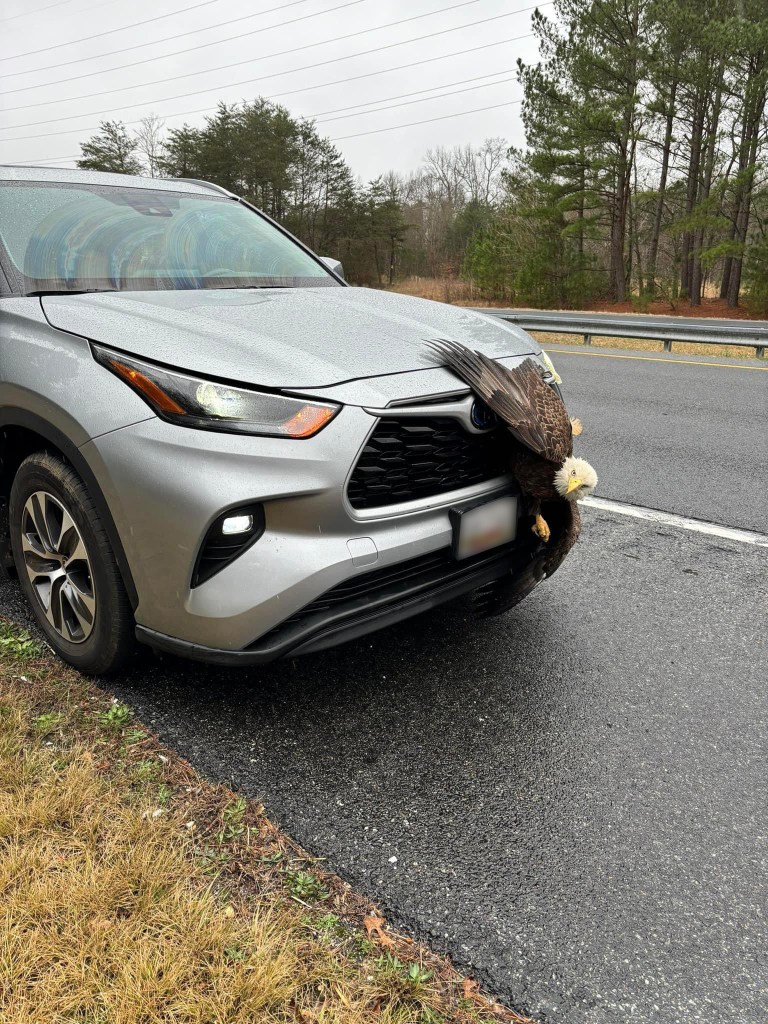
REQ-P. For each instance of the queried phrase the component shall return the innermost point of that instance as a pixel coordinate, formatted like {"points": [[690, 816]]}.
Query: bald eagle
{"points": [[542, 460]]}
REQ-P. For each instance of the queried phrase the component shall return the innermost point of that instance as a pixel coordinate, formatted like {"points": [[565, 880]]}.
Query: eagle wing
{"points": [[531, 409]]}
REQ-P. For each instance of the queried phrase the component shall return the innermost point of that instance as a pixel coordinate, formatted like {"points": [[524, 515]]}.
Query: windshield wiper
{"points": [[73, 291]]}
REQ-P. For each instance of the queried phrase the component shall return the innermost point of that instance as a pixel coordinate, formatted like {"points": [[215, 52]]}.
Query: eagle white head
{"points": [[575, 479]]}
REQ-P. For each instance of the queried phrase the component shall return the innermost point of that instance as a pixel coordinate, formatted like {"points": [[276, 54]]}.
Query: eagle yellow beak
{"points": [[573, 483]]}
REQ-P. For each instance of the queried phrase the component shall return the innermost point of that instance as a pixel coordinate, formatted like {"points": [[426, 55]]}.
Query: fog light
{"points": [[227, 538], [236, 524]]}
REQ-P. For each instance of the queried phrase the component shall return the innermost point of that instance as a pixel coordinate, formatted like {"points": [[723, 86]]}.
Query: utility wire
{"points": [[248, 81], [176, 53], [39, 10], [291, 92], [75, 131], [343, 81], [123, 28], [408, 103], [165, 39], [323, 85], [164, 56], [415, 92], [412, 124], [45, 161]]}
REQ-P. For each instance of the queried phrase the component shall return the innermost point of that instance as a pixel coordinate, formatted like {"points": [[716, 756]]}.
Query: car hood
{"points": [[292, 339]]}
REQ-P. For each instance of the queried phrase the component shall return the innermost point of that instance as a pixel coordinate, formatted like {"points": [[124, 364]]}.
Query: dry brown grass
{"points": [[134, 892], [441, 289]]}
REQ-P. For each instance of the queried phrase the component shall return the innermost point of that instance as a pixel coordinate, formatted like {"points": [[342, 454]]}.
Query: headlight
{"points": [[207, 405], [550, 366]]}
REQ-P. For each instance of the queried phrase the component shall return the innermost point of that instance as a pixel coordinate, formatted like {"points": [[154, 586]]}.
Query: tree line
{"points": [[381, 230], [643, 175]]}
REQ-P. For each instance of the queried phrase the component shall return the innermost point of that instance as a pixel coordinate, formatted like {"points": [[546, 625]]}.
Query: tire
{"points": [[66, 567]]}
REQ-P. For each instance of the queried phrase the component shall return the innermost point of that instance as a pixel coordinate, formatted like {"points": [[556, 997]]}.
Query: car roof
{"points": [[77, 176]]}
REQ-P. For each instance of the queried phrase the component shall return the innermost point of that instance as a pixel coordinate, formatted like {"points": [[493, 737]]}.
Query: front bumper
{"points": [[165, 486], [371, 602]]}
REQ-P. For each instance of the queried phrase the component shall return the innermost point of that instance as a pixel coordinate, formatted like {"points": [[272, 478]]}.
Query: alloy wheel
{"points": [[58, 566]]}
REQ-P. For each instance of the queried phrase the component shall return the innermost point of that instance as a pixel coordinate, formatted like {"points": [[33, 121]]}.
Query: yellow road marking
{"points": [[653, 359]]}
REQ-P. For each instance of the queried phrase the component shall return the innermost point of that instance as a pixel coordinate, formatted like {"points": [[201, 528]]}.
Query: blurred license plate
{"points": [[484, 526]]}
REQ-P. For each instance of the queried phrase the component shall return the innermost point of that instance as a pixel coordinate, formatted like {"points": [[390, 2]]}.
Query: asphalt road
{"points": [[673, 433], [575, 792]]}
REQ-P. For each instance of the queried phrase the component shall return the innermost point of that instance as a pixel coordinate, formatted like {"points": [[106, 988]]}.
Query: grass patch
{"points": [[304, 886], [132, 891], [18, 643]]}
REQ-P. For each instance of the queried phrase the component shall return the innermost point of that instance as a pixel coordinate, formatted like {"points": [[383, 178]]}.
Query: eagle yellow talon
{"points": [[576, 427], [541, 529]]}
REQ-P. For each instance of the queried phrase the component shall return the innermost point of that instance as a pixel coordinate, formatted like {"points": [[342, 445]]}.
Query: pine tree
{"points": [[112, 149]]}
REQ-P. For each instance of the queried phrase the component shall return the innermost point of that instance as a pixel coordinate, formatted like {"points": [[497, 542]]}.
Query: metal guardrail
{"points": [[667, 329]]}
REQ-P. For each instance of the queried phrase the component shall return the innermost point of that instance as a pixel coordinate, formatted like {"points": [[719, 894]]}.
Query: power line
{"points": [[292, 92], [165, 56], [153, 42], [47, 160], [407, 103], [39, 10], [415, 92], [123, 28], [75, 131], [372, 74], [412, 124], [78, 11], [176, 53], [307, 46], [324, 85]]}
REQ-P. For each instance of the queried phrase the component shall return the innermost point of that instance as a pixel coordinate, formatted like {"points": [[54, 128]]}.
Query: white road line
{"points": [[653, 515]]}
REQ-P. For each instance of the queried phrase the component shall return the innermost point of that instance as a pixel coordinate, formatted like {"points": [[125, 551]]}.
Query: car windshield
{"points": [[82, 237]]}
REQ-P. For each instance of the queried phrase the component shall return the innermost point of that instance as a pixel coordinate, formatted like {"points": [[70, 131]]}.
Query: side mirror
{"points": [[334, 266]]}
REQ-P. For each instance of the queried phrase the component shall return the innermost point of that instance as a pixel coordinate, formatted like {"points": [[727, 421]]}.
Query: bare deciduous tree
{"points": [[149, 139]]}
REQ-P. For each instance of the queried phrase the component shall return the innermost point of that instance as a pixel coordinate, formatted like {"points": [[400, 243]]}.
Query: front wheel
{"points": [[66, 567]]}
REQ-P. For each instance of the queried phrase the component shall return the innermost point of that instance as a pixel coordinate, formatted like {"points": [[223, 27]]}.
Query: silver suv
{"points": [[210, 443]]}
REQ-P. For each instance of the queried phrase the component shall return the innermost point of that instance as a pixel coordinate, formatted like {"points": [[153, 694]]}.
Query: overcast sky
{"points": [[290, 51]]}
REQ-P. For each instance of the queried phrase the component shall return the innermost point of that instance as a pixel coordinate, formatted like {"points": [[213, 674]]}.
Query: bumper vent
{"points": [[220, 548], [374, 593], [408, 459], [431, 568]]}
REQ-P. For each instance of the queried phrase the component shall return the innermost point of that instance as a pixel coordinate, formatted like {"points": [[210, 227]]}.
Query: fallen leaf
{"points": [[470, 988], [374, 927]]}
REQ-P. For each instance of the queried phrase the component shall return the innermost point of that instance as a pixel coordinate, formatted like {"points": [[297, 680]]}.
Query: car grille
{"points": [[408, 459]]}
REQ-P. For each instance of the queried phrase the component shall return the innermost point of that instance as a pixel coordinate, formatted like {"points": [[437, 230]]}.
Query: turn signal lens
{"points": [[308, 420], [209, 405], [148, 388]]}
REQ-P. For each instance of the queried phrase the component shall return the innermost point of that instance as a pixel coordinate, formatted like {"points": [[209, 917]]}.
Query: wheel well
{"points": [[16, 443]]}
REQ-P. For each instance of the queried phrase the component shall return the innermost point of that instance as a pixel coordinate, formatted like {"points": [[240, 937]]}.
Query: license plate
{"points": [[484, 526]]}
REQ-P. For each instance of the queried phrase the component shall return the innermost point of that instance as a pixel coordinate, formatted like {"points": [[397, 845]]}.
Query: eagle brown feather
{"points": [[536, 416], [533, 412]]}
